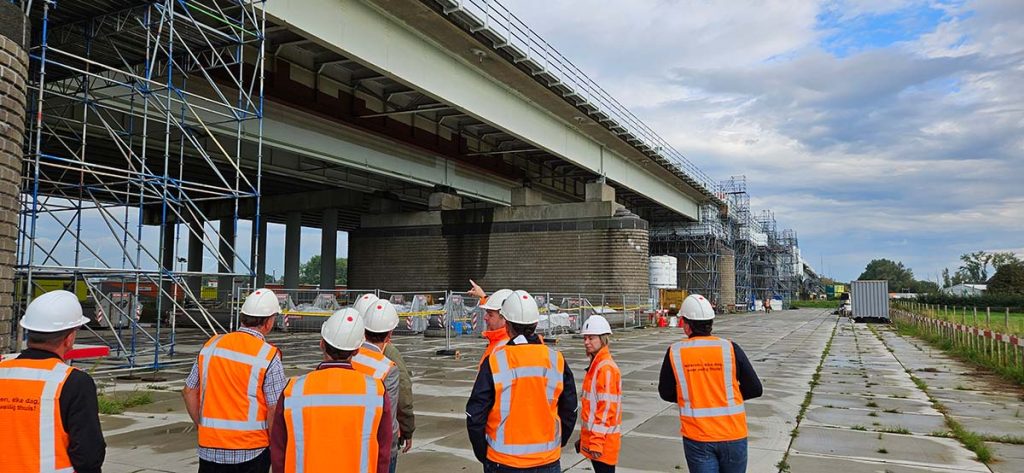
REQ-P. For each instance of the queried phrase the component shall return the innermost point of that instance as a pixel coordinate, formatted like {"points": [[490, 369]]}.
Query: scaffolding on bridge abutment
{"points": [[142, 116]]}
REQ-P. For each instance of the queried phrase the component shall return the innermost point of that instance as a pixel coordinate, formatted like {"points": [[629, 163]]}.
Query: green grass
{"points": [[872, 404], [818, 304], [997, 320], [895, 429], [118, 403], [963, 353], [882, 451]]}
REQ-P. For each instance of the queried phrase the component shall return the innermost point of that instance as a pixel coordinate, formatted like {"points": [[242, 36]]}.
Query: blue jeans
{"points": [[491, 467], [716, 457], [394, 462]]}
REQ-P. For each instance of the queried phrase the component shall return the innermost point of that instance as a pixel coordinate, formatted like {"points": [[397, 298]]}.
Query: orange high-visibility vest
{"points": [[710, 403], [524, 429], [30, 417], [333, 416], [495, 339], [372, 363], [601, 410], [233, 408]]}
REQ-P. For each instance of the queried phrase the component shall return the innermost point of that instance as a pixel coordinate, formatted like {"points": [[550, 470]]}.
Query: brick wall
{"points": [[13, 71], [590, 255]]}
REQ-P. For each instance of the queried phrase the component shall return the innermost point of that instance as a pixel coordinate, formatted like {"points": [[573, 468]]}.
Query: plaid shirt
{"points": [[273, 386]]}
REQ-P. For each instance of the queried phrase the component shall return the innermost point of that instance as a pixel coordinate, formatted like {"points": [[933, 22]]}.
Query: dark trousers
{"points": [[602, 467], [491, 467], [716, 457], [260, 464]]}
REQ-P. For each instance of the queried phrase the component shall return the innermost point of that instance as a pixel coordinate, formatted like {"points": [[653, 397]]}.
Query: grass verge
{"points": [[118, 403], [966, 354]]}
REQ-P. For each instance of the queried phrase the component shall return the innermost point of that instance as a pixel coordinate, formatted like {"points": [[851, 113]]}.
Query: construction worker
{"points": [[710, 378], [334, 418], [493, 321], [601, 412], [233, 388], [49, 415], [380, 319], [522, 410]]}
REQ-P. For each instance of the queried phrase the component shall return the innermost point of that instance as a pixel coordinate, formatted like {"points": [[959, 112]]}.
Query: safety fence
{"points": [[971, 331], [446, 313]]}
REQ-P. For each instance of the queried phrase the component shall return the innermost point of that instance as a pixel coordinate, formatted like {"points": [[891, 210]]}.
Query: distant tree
{"points": [[1009, 279], [1003, 258], [309, 272], [946, 280], [975, 266], [924, 287], [899, 276]]}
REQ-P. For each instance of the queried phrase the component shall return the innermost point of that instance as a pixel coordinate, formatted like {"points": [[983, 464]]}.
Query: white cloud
{"points": [[912, 150]]}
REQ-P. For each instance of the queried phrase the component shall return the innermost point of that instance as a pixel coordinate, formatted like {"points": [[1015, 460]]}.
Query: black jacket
{"points": [[481, 401], [80, 415], [750, 385]]}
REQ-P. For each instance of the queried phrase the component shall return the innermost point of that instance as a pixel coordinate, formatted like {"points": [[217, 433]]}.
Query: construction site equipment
{"points": [[670, 300], [870, 301], [142, 117]]}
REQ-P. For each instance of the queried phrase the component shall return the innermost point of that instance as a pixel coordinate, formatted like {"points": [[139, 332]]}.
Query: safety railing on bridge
{"points": [[511, 35]]}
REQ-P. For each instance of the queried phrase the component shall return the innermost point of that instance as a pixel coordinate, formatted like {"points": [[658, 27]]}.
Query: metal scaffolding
{"points": [[764, 263], [697, 247], [143, 116], [741, 223]]}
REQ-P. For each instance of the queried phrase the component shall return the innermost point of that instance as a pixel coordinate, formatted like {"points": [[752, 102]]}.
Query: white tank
{"points": [[663, 272]]}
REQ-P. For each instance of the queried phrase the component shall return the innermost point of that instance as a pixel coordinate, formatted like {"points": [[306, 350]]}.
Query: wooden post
{"points": [[988, 323]]}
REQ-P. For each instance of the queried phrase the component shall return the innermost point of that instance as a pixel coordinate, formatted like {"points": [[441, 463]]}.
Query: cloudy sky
{"points": [[874, 128]]}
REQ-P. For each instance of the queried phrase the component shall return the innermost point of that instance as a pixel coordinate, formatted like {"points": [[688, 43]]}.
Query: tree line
{"points": [[1006, 269]]}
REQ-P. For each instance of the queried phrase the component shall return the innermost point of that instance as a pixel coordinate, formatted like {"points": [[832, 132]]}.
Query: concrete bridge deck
{"points": [[841, 428]]}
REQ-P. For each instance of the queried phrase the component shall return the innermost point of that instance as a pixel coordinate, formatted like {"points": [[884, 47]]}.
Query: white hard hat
{"points": [[520, 308], [53, 312], [380, 317], [343, 329], [696, 307], [596, 325], [261, 303], [364, 301], [495, 299]]}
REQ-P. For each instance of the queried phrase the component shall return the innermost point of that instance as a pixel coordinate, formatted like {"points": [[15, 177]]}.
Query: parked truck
{"points": [[870, 301]]}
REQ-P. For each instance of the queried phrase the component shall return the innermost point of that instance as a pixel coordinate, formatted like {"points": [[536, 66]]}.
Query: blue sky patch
{"points": [[845, 35]]}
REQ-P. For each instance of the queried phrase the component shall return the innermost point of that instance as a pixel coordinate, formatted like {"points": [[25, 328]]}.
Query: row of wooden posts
{"points": [[960, 325]]}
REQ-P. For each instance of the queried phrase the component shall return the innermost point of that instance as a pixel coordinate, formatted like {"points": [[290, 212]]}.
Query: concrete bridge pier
{"points": [[592, 247]]}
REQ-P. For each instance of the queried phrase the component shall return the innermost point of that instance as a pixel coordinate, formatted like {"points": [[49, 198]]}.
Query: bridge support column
{"points": [[586, 247], [329, 249], [292, 240], [195, 256], [261, 253], [227, 253]]}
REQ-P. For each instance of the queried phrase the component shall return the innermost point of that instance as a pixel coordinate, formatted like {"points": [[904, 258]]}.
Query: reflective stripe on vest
{"points": [[379, 367], [589, 395], [506, 376], [256, 364], [685, 407], [52, 380], [298, 402]]}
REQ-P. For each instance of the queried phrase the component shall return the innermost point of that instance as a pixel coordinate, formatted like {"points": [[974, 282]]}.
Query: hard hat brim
{"points": [[51, 329]]}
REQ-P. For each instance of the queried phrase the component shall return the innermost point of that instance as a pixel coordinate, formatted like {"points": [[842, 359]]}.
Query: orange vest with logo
{"points": [[333, 416], [372, 363], [601, 410], [495, 339], [30, 417], [710, 403], [233, 408], [523, 428]]}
